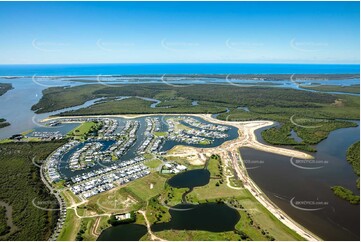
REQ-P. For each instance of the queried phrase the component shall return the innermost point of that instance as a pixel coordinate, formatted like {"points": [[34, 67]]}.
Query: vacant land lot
{"points": [[147, 187], [84, 129]]}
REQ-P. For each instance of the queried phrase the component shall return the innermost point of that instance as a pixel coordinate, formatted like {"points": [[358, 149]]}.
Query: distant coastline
{"points": [[261, 77], [174, 69]]}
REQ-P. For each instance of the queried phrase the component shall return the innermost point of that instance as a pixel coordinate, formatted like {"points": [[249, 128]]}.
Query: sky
{"points": [[179, 32]]}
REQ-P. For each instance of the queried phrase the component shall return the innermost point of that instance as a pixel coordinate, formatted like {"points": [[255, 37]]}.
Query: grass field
{"points": [[71, 226], [114, 201], [142, 187], [83, 130], [214, 166], [85, 231], [69, 197], [160, 134], [153, 163]]}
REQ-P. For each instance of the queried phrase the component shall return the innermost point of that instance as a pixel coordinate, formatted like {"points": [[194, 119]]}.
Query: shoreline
{"points": [[246, 138], [240, 76]]}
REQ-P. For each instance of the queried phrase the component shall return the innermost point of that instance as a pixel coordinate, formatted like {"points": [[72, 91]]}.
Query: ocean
{"points": [[161, 69]]}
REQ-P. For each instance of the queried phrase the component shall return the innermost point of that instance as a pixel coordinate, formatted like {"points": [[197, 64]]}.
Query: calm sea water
{"points": [[134, 69]]}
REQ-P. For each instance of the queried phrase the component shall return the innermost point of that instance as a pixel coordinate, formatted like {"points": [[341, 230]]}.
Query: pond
{"points": [[190, 179], [123, 232], [213, 217]]}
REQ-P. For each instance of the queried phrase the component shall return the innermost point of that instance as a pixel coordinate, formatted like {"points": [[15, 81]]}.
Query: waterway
{"points": [[131, 153], [302, 188]]}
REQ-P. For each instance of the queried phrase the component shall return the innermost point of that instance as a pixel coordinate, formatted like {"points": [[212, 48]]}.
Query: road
{"points": [[61, 202], [152, 236]]}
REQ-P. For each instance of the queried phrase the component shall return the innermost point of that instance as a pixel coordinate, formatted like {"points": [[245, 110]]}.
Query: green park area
{"points": [[256, 223], [84, 130]]}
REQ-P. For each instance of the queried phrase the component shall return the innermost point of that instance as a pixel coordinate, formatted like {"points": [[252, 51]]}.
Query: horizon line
{"points": [[177, 63]]}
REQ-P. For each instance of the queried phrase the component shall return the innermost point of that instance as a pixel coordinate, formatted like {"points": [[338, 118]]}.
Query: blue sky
{"points": [[179, 32]]}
